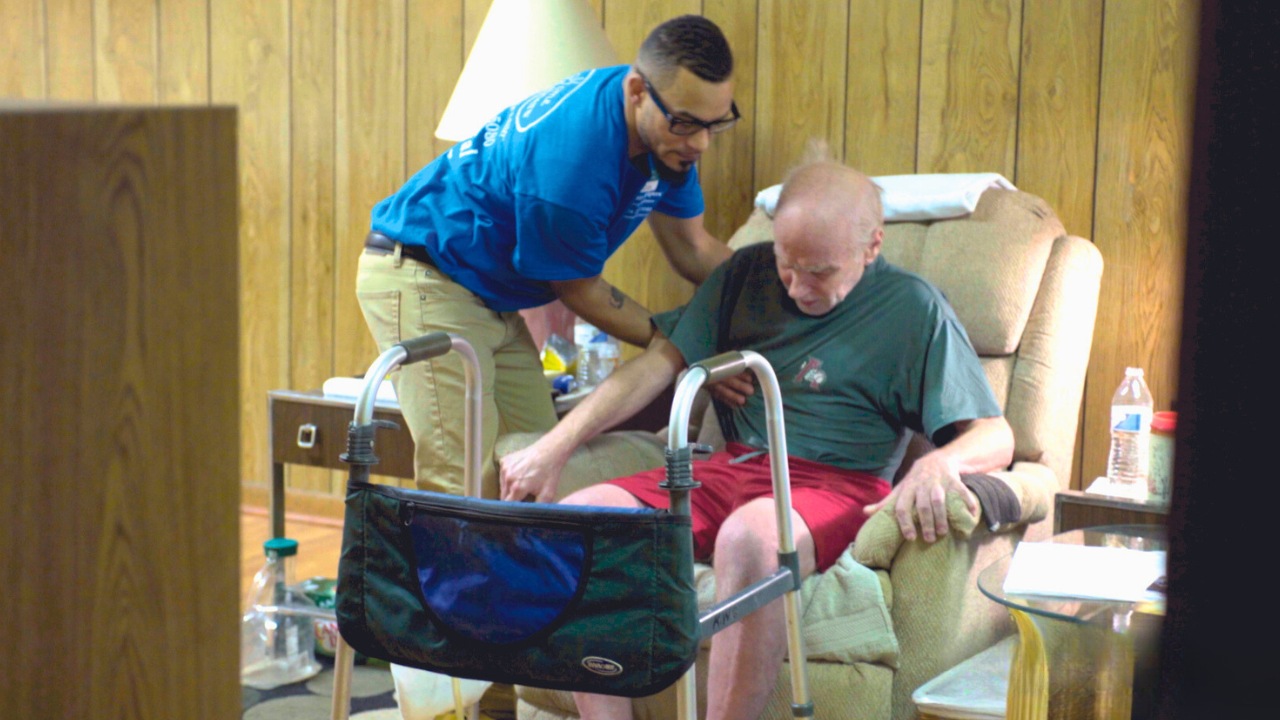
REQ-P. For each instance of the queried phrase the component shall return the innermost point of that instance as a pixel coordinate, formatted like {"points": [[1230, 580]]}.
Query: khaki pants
{"points": [[403, 299]]}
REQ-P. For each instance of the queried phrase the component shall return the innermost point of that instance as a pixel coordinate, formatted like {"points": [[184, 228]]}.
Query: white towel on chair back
{"points": [[424, 695], [918, 197]]}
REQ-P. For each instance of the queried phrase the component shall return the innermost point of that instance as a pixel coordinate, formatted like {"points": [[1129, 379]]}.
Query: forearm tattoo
{"points": [[616, 298]]}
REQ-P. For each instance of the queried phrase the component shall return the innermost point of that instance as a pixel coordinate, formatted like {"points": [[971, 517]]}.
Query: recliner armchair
{"points": [[1027, 294]]}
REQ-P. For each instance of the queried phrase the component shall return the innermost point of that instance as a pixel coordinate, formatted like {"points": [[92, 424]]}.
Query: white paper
{"points": [[1104, 486], [1079, 571], [349, 388]]}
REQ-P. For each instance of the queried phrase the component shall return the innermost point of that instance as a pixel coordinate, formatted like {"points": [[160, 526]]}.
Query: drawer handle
{"points": [[306, 436]]}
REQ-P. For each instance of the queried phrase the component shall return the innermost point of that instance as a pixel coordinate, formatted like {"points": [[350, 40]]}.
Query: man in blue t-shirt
{"points": [[863, 351], [526, 212]]}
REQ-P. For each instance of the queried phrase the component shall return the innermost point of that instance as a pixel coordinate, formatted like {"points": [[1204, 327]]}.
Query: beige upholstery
{"points": [[1027, 294]]}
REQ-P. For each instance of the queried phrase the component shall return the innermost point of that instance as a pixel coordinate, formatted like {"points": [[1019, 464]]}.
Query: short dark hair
{"points": [[691, 42]]}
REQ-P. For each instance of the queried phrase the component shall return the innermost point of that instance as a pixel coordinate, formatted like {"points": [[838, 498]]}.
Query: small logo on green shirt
{"points": [[811, 372]]}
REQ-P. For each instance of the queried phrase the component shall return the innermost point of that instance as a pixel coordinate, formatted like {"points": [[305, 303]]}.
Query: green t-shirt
{"points": [[889, 357]]}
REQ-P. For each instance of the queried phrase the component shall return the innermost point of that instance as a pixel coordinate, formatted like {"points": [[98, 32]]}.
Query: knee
{"points": [[746, 546], [601, 494]]}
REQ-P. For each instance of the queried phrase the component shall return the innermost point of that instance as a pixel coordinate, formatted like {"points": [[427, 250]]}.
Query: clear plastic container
{"points": [[1163, 429], [598, 353], [1131, 409], [277, 634]]}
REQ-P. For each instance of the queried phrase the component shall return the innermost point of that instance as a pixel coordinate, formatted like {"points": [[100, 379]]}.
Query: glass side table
{"points": [[1080, 658]]}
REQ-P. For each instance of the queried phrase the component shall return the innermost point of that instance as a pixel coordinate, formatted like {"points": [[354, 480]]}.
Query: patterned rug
{"points": [[372, 696]]}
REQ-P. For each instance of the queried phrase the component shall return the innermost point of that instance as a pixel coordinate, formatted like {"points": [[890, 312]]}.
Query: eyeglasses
{"points": [[690, 126]]}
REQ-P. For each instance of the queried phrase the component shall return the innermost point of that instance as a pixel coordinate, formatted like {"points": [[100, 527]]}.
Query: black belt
{"points": [[378, 241]]}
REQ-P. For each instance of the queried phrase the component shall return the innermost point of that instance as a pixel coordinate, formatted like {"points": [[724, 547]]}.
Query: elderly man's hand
{"points": [[531, 473], [734, 391], [923, 493]]}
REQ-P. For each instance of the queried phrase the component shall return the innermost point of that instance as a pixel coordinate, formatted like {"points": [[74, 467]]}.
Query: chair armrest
{"points": [[1033, 484], [604, 457], [939, 614]]}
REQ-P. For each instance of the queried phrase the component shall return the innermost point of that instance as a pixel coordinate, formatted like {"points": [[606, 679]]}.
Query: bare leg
{"points": [[602, 494], [746, 656], [602, 707]]}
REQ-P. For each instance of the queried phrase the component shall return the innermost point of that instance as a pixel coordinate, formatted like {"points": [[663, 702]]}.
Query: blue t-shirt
{"points": [[544, 192]]}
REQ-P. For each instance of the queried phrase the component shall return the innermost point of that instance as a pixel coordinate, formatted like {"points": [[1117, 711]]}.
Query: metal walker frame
{"points": [[784, 582]]}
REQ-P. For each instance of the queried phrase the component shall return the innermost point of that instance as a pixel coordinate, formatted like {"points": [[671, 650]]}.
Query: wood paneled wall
{"points": [[1086, 103]]}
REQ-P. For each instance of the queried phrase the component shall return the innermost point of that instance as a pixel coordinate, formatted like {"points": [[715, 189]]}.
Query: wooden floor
{"points": [[319, 545]]}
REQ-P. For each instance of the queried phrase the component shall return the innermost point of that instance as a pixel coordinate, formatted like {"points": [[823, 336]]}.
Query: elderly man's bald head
{"points": [[836, 195], [827, 231]]}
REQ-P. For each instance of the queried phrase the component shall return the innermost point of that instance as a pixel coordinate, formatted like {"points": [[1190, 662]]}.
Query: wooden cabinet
{"points": [[308, 428], [1073, 509]]}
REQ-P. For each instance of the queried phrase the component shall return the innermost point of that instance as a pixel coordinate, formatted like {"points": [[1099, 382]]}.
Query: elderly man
{"points": [[863, 351]]}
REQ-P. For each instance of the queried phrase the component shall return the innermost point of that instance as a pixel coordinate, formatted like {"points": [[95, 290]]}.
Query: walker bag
{"points": [[564, 597]]}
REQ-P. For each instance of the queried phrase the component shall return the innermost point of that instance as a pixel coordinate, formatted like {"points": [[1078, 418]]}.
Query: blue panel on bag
{"points": [[496, 582]]}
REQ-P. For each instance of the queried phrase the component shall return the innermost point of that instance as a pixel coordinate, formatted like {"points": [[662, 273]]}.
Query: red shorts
{"points": [[828, 498]]}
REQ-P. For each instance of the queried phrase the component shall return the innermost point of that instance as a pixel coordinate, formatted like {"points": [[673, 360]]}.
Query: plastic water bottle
{"points": [[584, 335], [1131, 410], [277, 636], [609, 355], [598, 353]]}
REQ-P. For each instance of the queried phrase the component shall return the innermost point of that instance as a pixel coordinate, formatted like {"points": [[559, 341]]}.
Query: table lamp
{"points": [[523, 46]]}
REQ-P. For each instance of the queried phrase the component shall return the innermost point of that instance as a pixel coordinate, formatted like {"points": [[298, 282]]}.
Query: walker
{"points": [[784, 582]]}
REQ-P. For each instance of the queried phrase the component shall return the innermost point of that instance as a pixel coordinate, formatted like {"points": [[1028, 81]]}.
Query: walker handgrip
{"points": [[723, 366], [426, 347]]}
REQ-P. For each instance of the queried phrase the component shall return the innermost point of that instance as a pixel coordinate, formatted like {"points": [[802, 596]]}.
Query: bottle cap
{"points": [[280, 547], [563, 384], [1134, 371], [1164, 421]]}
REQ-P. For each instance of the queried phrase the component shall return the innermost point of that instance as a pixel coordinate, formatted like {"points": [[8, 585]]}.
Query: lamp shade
{"points": [[524, 46]]}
